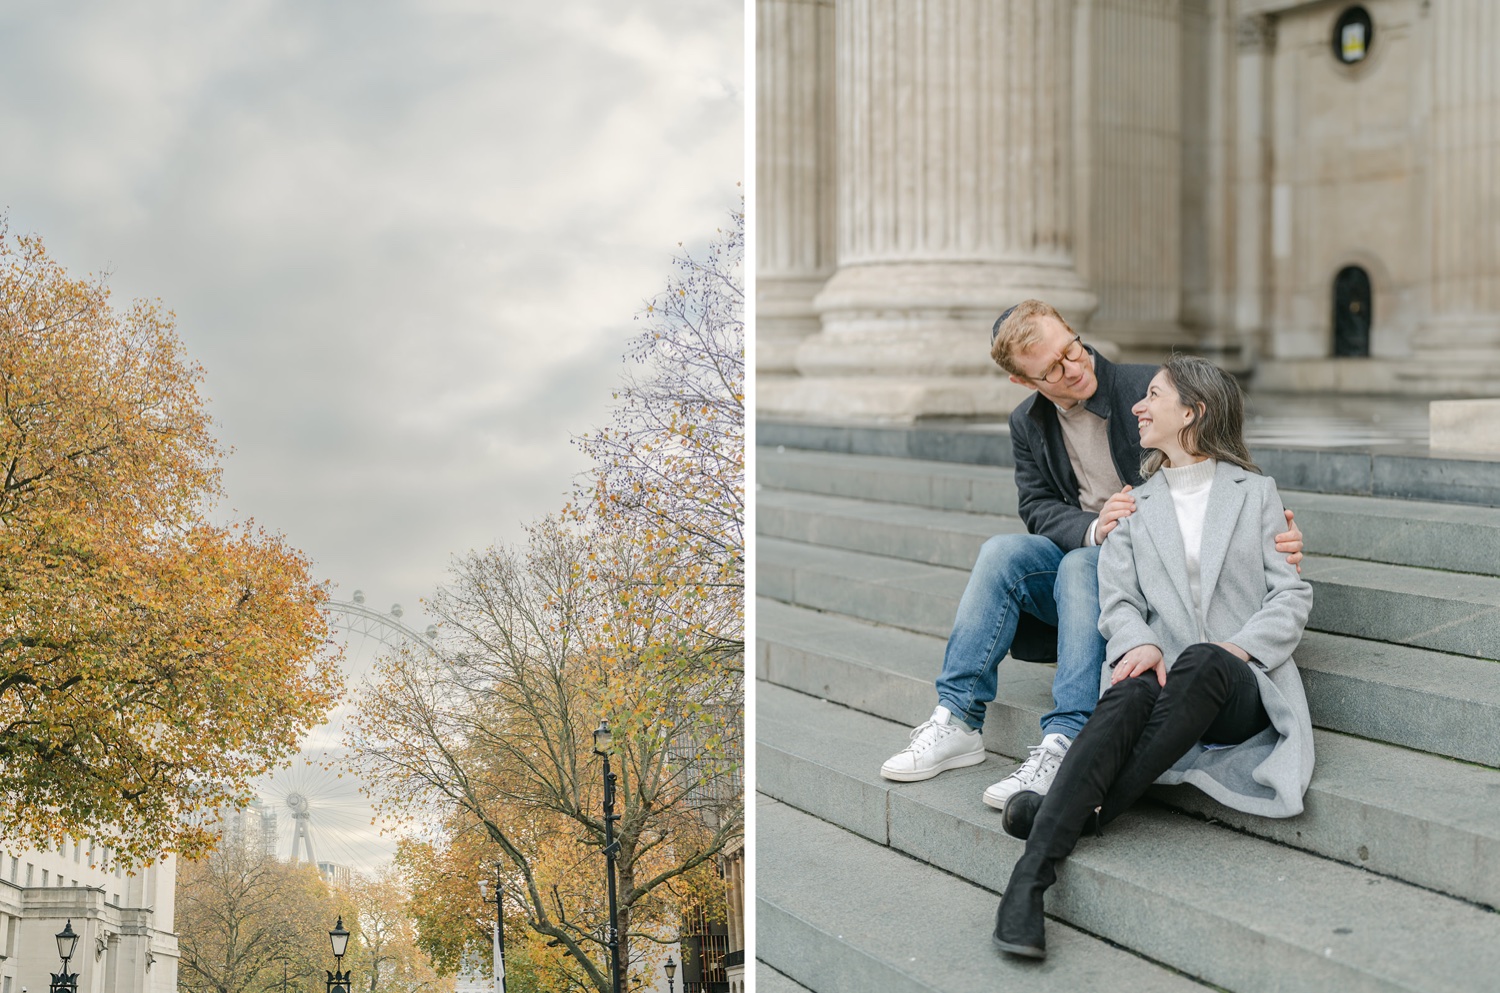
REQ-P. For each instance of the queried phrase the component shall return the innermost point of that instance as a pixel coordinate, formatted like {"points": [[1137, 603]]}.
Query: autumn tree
{"points": [[385, 953], [495, 732], [245, 919], [152, 662], [670, 467], [629, 606]]}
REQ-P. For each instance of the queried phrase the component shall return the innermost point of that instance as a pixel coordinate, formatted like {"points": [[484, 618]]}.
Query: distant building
{"points": [[335, 875], [734, 886], [475, 975], [125, 922]]}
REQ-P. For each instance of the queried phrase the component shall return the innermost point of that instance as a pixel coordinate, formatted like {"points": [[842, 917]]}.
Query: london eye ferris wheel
{"points": [[312, 809]]}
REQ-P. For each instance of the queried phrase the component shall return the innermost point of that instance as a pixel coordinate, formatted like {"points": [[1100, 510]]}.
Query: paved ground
{"points": [[1335, 421]]}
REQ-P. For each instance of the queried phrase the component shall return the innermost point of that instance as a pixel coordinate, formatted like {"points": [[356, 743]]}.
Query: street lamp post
{"points": [[499, 923], [671, 968], [603, 738], [338, 979], [67, 941]]}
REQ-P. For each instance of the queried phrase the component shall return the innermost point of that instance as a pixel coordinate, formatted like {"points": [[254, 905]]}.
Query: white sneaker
{"points": [[936, 746], [1035, 774]]}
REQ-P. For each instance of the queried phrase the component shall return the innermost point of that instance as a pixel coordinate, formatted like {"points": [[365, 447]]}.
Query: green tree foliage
{"points": [[241, 912]]}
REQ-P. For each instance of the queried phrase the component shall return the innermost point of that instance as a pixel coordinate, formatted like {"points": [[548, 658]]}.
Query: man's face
{"points": [[1047, 356]]}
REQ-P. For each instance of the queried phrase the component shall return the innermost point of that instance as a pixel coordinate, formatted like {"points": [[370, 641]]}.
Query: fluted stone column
{"points": [[795, 174], [1255, 42], [954, 202], [1457, 349], [1130, 171]]}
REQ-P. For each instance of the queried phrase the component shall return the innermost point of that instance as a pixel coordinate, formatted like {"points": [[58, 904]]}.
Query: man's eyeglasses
{"points": [[1054, 374]]}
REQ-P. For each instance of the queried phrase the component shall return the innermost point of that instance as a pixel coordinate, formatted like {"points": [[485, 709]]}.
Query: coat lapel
{"points": [[1224, 503], [1159, 517]]}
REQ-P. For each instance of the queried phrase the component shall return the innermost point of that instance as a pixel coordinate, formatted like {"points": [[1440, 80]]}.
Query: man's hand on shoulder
{"points": [[1122, 505], [1289, 542]]}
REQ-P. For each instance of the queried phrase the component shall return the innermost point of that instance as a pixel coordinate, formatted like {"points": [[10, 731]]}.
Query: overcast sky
{"points": [[405, 240]]}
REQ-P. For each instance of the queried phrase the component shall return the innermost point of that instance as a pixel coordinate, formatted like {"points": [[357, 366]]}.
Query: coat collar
{"points": [[1159, 515], [1224, 503], [1153, 505], [1104, 373]]}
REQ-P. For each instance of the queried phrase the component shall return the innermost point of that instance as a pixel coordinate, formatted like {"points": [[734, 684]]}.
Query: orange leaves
{"points": [[150, 662]]}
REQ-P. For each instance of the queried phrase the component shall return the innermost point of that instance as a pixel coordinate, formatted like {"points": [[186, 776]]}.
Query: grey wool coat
{"points": [[1251, 597]]}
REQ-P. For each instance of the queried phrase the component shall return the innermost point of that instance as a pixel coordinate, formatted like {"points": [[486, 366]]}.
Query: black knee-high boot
{"points": [[1087, 771]]}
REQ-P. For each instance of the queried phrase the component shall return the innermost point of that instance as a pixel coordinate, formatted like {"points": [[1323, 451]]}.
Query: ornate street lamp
{"points": [[338, 980], [603, 739], [484, 885], [671, 968], [67, 941]]}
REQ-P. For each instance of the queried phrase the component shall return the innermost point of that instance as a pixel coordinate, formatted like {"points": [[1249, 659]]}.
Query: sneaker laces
{"points": [[927, 734], [1032, 767]]}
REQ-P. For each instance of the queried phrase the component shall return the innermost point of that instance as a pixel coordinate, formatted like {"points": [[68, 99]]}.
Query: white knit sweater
{"points": [[1189, 486]]}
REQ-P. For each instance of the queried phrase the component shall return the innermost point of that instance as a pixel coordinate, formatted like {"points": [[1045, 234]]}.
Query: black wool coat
{"points": [[1048, 488]]}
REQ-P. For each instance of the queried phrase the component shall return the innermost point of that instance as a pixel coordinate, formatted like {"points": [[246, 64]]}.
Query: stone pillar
{"points": [[954, 202], [1457, 349], [1130, 152], [795, 174], [1255, 41]]}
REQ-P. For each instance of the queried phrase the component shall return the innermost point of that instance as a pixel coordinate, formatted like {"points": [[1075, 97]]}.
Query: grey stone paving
{"points": [[1235, 910], [845, 916], [1385, 882]]}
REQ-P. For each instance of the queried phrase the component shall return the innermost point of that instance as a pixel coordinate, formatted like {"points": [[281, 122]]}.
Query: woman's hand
{"points": [[1140, 659], [1234, 650]]}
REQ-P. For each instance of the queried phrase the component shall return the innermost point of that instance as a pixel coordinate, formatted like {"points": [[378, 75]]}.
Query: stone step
{"points": [[1425, 534], [1457, 613], [768, 980], [936, 485], [1446, 611], [840, 914], [1226, 908], [1422, 818], [1419, 699], [1396, 474]]}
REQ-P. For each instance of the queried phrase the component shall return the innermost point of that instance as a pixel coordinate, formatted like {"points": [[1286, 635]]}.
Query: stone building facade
{"points": [[124, 920], [1308, 192]]}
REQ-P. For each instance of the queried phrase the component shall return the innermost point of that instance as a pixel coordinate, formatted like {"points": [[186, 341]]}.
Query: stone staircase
{"points": [[1386, 882]]}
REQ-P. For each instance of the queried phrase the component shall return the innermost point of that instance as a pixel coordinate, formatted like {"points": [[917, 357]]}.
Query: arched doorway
{"points": [[1353, 313]]}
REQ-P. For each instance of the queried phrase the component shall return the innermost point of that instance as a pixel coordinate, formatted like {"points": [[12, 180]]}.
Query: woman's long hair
{"points": [[1218, 426]]}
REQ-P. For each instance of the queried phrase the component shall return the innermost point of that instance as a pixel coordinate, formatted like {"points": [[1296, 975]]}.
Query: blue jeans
{"points": [[1026, 572]]}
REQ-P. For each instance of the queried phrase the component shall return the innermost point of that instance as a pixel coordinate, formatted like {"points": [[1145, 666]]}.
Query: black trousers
{"points": [[1138, 730]]}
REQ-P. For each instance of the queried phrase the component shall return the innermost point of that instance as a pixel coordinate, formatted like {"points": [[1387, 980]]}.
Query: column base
{"points": [[928, 318], [887, 398], [1458, 356], [784, 317], [899, 341], [1472, 375]]}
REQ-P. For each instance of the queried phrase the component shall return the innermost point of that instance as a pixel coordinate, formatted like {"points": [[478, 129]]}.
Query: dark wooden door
{"points": [[1352, 312]]}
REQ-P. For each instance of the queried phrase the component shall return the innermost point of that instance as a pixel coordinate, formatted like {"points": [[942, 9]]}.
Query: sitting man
{"points": [[1035, 596]]}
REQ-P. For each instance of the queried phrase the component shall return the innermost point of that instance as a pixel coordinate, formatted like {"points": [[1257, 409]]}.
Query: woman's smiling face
{"points": [[1161, 415]]}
